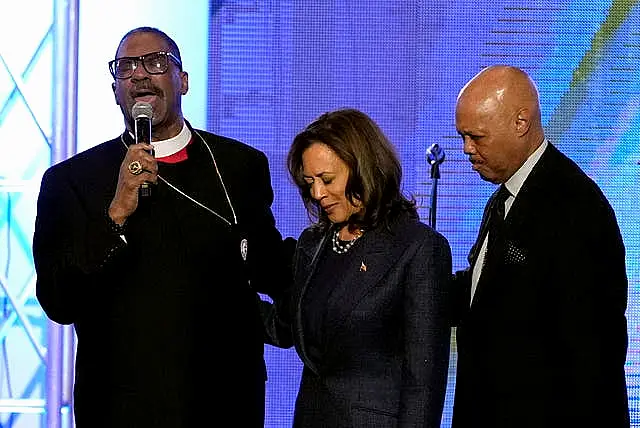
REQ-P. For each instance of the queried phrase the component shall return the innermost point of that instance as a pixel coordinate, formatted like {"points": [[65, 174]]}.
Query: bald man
{"points": [[541, 328]]}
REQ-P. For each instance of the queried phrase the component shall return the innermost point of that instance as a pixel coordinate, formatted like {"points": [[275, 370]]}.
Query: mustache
{"points": [[145, 88]]}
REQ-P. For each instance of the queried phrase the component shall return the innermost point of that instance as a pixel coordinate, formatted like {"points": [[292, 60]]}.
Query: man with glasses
{"points": [[145, 280]]}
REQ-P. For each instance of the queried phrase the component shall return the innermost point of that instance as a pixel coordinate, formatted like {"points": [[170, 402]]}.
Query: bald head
{"points": [[502, 85], [498, 116]]}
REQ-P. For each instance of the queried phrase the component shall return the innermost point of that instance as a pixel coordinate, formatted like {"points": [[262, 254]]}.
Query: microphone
{"points": [[142, 114], [435, 156]]}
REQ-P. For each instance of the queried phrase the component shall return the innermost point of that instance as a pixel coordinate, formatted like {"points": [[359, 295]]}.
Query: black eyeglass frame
{"points": [[137, 60]]}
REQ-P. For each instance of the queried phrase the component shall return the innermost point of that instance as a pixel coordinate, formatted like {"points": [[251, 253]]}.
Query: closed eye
{"points": [[326, 180]]}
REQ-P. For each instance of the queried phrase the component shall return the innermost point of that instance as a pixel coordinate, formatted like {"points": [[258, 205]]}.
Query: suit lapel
{"points": [[482, 233], [526, 202]]}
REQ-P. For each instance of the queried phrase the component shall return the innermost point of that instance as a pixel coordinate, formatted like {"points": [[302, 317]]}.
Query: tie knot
{"points": [[503, 194], [500, 198]]}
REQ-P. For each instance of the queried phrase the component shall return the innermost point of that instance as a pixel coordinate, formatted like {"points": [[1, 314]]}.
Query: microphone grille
{"points": [[142, 109], [435, 154]]}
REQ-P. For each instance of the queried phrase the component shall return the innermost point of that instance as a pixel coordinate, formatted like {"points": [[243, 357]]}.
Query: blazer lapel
{"points": [[380, 251], [307, 263]]}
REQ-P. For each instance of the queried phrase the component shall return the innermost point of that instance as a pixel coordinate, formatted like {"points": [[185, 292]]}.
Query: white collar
{"points": [[173, 145], [515, 182]]}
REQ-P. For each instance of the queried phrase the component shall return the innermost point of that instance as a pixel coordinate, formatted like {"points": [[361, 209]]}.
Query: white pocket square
{"points": [[514, 254]]}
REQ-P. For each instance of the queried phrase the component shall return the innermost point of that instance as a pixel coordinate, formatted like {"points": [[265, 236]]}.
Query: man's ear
{"points": [[523, 122], [113, 88], [185, 83]]}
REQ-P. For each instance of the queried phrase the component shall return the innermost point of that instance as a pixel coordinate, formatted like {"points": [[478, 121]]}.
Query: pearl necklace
{"points": [[339, 246]]}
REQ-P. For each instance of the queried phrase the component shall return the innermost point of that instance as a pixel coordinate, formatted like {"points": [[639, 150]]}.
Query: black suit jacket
{"points": [[149, 313], [544, 342], [386, 348]]}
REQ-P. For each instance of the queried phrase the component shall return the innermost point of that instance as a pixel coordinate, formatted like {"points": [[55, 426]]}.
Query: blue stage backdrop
{"points": [[276, 65], [269, 67]]}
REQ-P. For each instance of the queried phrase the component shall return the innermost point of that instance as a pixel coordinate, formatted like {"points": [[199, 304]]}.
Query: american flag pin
{"points": [[363, 267]]}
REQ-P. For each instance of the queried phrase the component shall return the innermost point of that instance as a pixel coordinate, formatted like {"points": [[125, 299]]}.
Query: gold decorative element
{"points": [[135, 168]]}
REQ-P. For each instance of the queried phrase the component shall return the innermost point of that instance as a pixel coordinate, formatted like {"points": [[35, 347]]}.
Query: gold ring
{"points": [[135, 168]]}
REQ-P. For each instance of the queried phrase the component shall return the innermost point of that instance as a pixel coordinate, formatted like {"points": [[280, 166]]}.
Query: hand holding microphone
{"points": [[142, 114], [139, 168]]}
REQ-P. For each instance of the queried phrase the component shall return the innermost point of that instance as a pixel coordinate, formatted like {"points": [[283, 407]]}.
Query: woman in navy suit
{"points": [[367, 312]]}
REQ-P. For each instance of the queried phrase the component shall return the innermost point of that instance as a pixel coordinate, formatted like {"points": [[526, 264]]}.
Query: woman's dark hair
{"points": [[375, 173]]}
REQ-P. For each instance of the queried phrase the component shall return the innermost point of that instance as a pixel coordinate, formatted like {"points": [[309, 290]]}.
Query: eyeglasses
{"points": [[153, 63]]}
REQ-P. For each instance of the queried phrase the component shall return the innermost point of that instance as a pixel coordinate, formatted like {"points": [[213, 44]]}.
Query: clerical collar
{"points": [[173, 145]]}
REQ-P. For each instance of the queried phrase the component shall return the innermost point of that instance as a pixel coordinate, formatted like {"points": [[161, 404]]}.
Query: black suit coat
{"points": [[544, 342], [149, 314], [386, 333]]}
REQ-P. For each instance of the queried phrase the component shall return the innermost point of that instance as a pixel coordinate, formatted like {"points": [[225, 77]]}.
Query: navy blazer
{"points": [[543, 344], [386, 353]]}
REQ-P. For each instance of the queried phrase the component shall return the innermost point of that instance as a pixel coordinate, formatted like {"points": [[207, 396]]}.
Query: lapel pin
{"points": [[363, 267], [243, 249]]}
